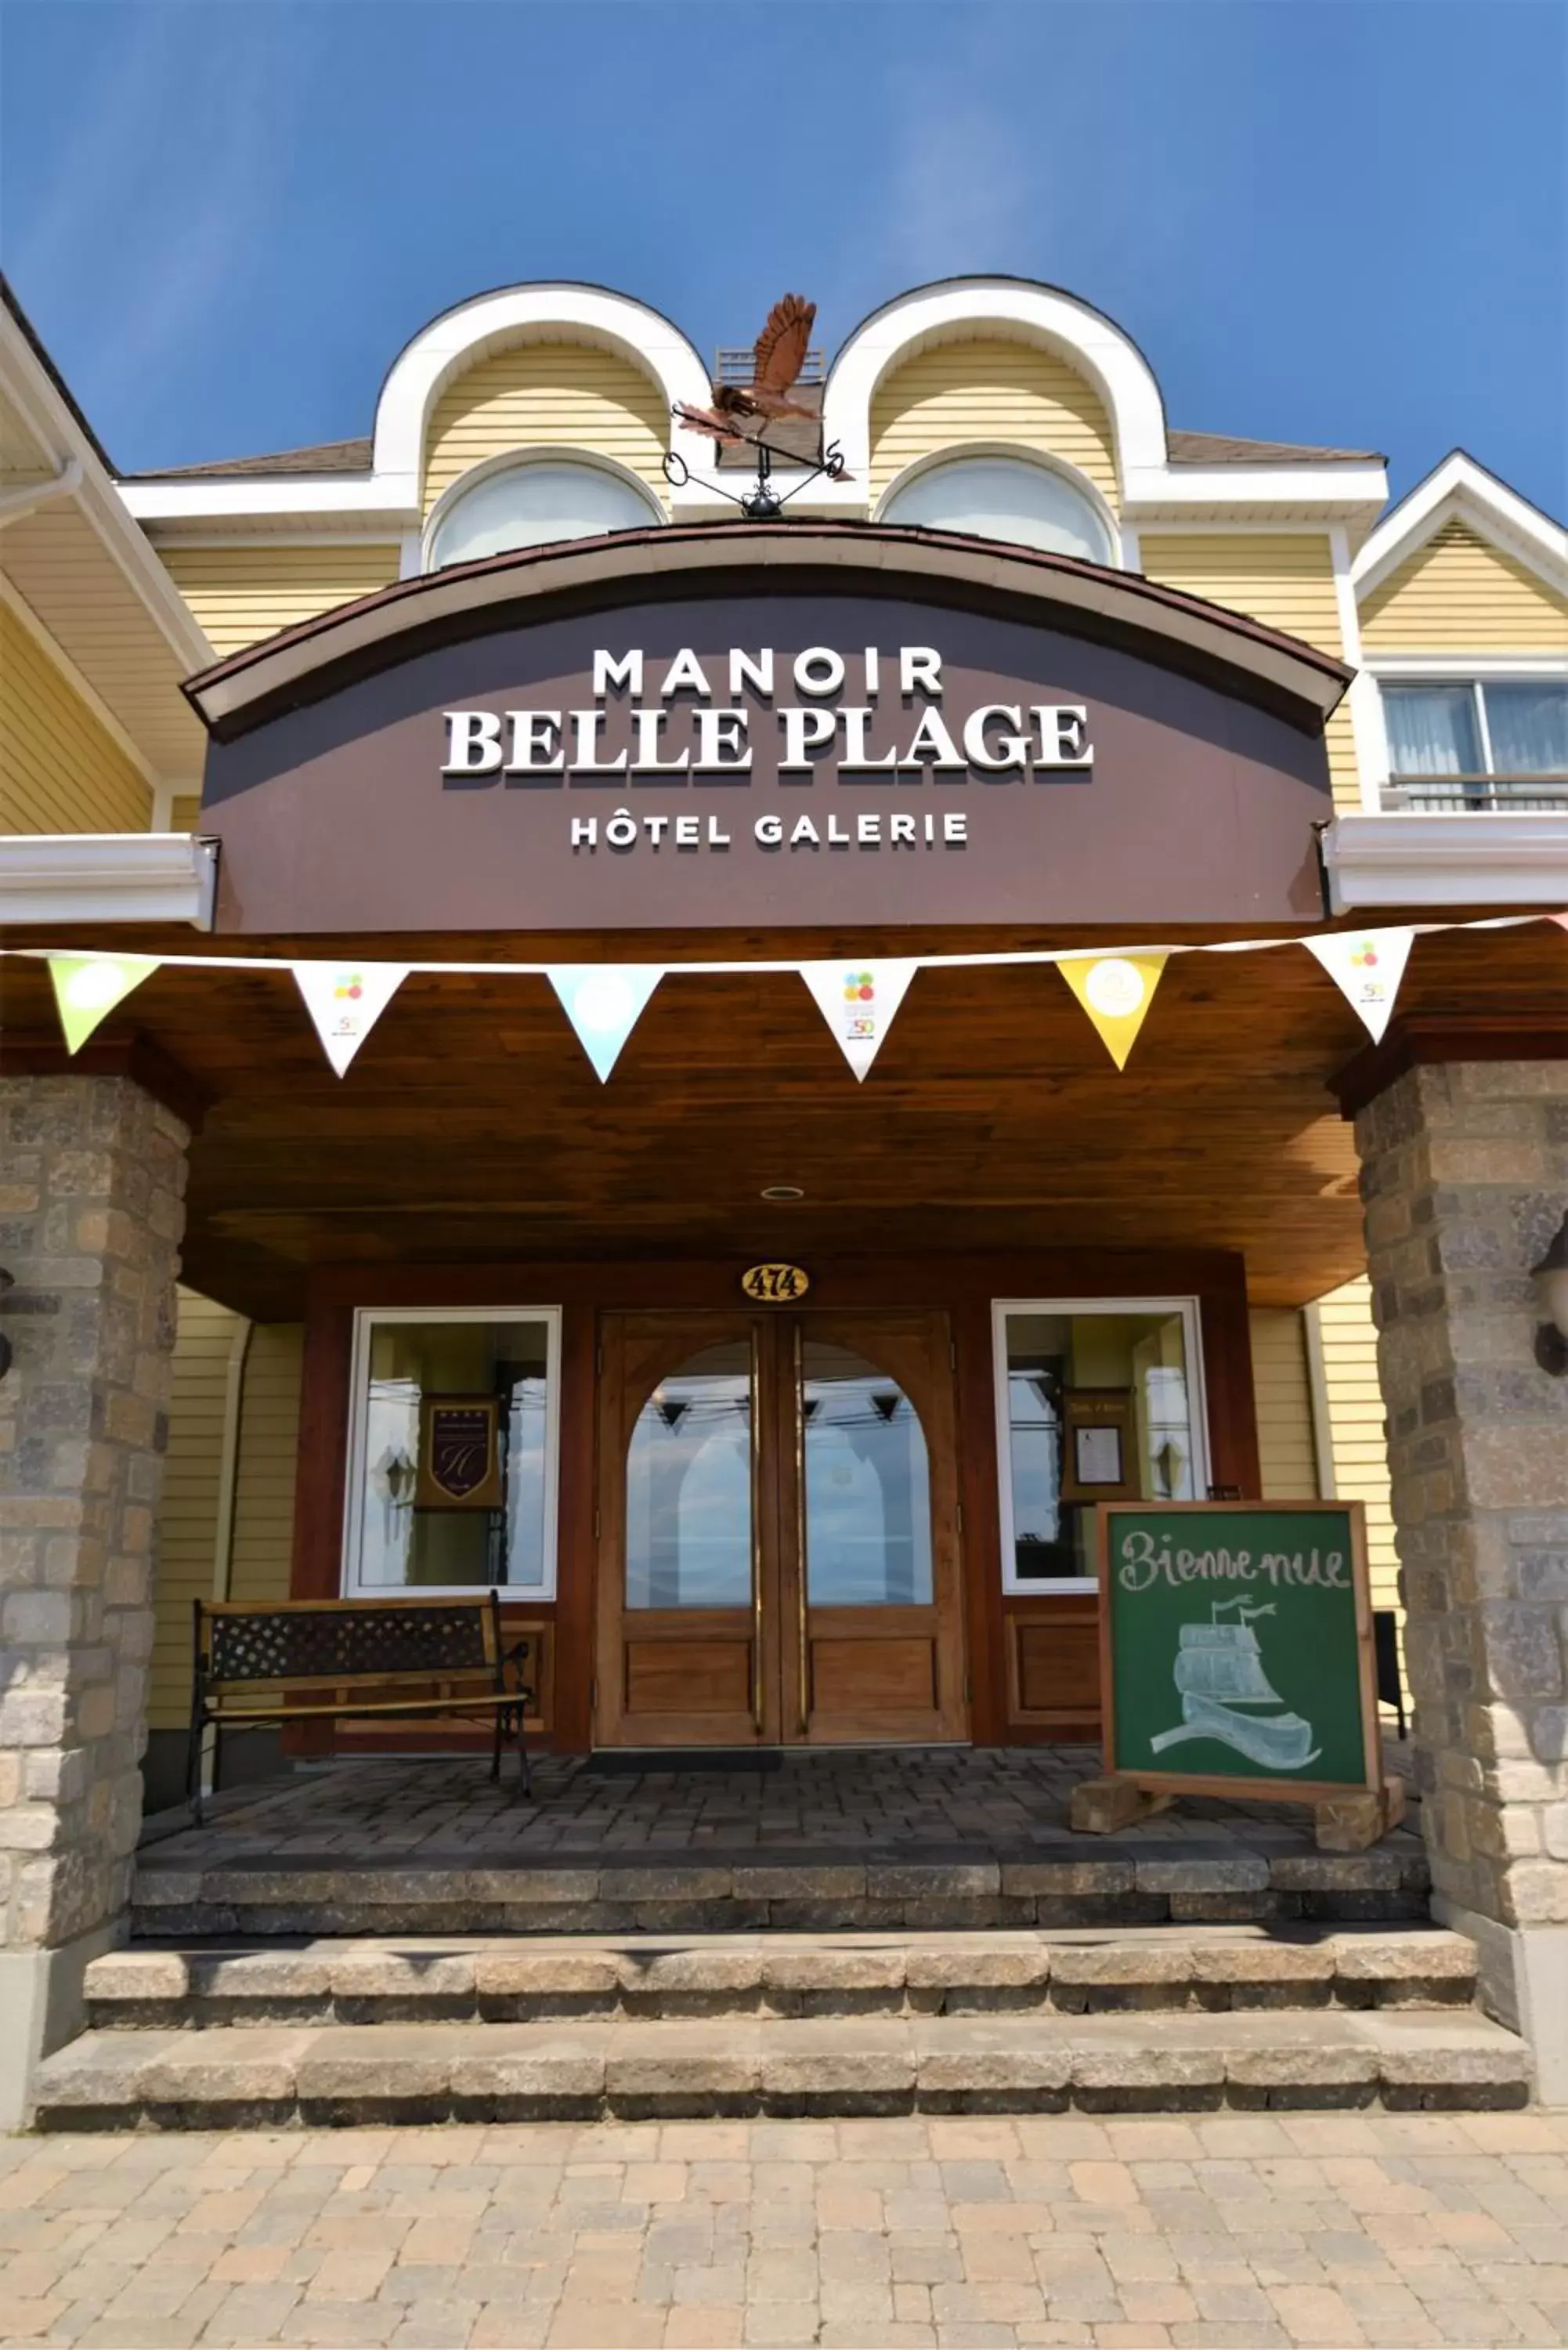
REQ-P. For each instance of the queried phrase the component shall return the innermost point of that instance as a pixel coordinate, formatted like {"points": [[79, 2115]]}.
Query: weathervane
{"points": [[776, 361]]}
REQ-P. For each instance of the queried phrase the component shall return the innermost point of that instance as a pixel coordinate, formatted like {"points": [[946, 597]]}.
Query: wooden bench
{"points": [[353, 1659]]}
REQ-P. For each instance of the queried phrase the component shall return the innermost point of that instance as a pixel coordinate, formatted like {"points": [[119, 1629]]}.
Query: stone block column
{"points": [[1464, 1180], [92, 1176]]}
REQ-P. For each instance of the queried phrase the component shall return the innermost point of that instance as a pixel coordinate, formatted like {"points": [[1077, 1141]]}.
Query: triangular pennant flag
{"points": [[346, 1000], [1116, 991], [1367, 966], [88, 988], [604, 1003], [858, 999]]}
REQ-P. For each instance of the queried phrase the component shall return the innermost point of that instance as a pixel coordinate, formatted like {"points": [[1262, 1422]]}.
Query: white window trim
{"points": [[513, 461], [365, 1318], [1192, 1341], [1437, 669]]}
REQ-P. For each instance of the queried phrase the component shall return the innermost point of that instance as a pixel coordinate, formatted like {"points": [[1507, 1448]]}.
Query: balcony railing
{"points": [[1482, 794]]}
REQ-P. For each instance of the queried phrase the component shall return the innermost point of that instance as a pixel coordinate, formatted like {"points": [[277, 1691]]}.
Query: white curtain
{"points": [[1529, 728], [1432, 731]]}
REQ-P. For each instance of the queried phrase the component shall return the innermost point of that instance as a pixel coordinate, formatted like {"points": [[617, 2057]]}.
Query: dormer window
{"points": [[534, 505], [1006, 498], [1472, 743]]}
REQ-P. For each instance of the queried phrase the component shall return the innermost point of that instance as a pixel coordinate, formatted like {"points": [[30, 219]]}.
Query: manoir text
{"points": [[872, 717]]}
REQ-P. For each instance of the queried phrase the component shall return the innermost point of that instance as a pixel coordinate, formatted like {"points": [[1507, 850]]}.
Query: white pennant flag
{"points": [[1367, 966], [346, 1000], [604, 1003], [858, 1000]]}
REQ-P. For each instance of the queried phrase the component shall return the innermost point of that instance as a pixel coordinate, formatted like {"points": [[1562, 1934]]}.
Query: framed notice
{"points": [[1235, 1651], [460, 1454], [1096, 1445]]}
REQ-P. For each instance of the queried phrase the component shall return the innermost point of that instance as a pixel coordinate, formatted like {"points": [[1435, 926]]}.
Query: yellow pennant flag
{"points": [[1116, 991], [88, 988]]}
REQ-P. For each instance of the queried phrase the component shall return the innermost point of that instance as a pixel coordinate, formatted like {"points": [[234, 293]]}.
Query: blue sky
{"points": [[1344, 222]]}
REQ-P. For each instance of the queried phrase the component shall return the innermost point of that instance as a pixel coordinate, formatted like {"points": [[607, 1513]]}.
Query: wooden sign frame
{"points": [[1279, 1791]]}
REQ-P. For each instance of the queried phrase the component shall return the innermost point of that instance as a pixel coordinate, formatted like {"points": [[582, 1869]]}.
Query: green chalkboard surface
{"points": [[1236, 1646]]}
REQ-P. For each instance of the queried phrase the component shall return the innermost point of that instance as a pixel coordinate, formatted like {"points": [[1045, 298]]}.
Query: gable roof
{"points": [[1461, 488]]}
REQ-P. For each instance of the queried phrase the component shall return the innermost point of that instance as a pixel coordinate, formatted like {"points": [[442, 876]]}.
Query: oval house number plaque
{"points": [[775, 1285]]}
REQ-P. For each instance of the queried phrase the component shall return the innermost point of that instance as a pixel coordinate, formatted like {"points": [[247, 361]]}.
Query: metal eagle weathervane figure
{"points": [[777, 359]]}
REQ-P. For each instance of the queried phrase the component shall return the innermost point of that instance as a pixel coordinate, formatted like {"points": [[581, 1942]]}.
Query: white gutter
{"points": [[1485, 857], [26, 384], [18, 504], [107, 877]]}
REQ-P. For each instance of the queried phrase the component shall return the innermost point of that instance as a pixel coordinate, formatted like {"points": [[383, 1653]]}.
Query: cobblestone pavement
{"points": [[1223, 2232], [417, 1810]]}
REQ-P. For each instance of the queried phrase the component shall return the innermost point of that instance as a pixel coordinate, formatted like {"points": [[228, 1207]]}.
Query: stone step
{"points": [[1144, 1883], [514, 1980], [329, 2075]]}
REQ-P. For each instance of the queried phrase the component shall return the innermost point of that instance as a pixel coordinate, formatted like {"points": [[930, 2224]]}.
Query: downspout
{"points": [[228, 1488], [1317, 1387], [229, 1459]]}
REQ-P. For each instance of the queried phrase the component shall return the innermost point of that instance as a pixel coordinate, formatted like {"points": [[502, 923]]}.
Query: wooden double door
{"points": [[778, 1556]]}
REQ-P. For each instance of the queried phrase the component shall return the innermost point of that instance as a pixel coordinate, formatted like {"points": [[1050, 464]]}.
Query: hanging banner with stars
{"points": [[1116, 991], [346, 1000], [1367, 966], [88, 988], [604, 1003], [858, 999]]}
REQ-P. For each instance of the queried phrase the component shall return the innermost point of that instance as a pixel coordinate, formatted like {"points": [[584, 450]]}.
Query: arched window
{"points": [[1006, 498], [531, 505]]}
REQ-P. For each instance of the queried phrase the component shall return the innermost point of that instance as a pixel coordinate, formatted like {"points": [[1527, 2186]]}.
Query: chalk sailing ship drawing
{"points": [[1219, 1670]]}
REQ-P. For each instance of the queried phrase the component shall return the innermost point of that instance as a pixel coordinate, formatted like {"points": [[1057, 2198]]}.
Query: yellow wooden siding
{"points": [[187, 1517], [263, 1538], [185, 812], [1286, 1447], [990, 390], [60, 769], [1355, 1422], [1284, 578], [242, 594], [547, 396], [1458, 595]]}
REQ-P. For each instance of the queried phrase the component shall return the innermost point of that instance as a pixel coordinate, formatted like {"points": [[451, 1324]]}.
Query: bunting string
{"points": [[858, 996]]}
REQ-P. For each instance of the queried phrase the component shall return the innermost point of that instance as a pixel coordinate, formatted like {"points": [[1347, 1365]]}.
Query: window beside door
{"points": [[452, 1459], [1097, 1401]]}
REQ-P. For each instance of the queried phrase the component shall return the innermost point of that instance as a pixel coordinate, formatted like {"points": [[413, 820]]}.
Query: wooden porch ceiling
{"points": [[470, 1127]]}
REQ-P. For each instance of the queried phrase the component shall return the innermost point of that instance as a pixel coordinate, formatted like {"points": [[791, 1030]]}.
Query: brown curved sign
{"points": [[830, 759]]}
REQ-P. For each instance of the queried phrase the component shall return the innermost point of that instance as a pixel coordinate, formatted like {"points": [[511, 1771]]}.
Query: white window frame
{"points": [[1476, 670], [365, 1319], [1192, 1342]]}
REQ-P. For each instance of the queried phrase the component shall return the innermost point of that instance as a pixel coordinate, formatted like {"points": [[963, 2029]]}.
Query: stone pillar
{"points": [[1464, 1180], [92, 1174]]}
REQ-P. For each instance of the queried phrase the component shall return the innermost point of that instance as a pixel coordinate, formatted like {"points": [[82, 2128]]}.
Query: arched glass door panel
{"points": [[868, 1487], [688, 1486]]}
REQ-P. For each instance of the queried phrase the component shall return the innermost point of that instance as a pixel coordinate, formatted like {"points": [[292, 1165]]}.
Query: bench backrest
{"points": [[352, 1639]]}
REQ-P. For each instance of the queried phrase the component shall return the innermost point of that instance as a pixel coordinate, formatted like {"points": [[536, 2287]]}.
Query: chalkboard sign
{"points": [[1236, 1647]]}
